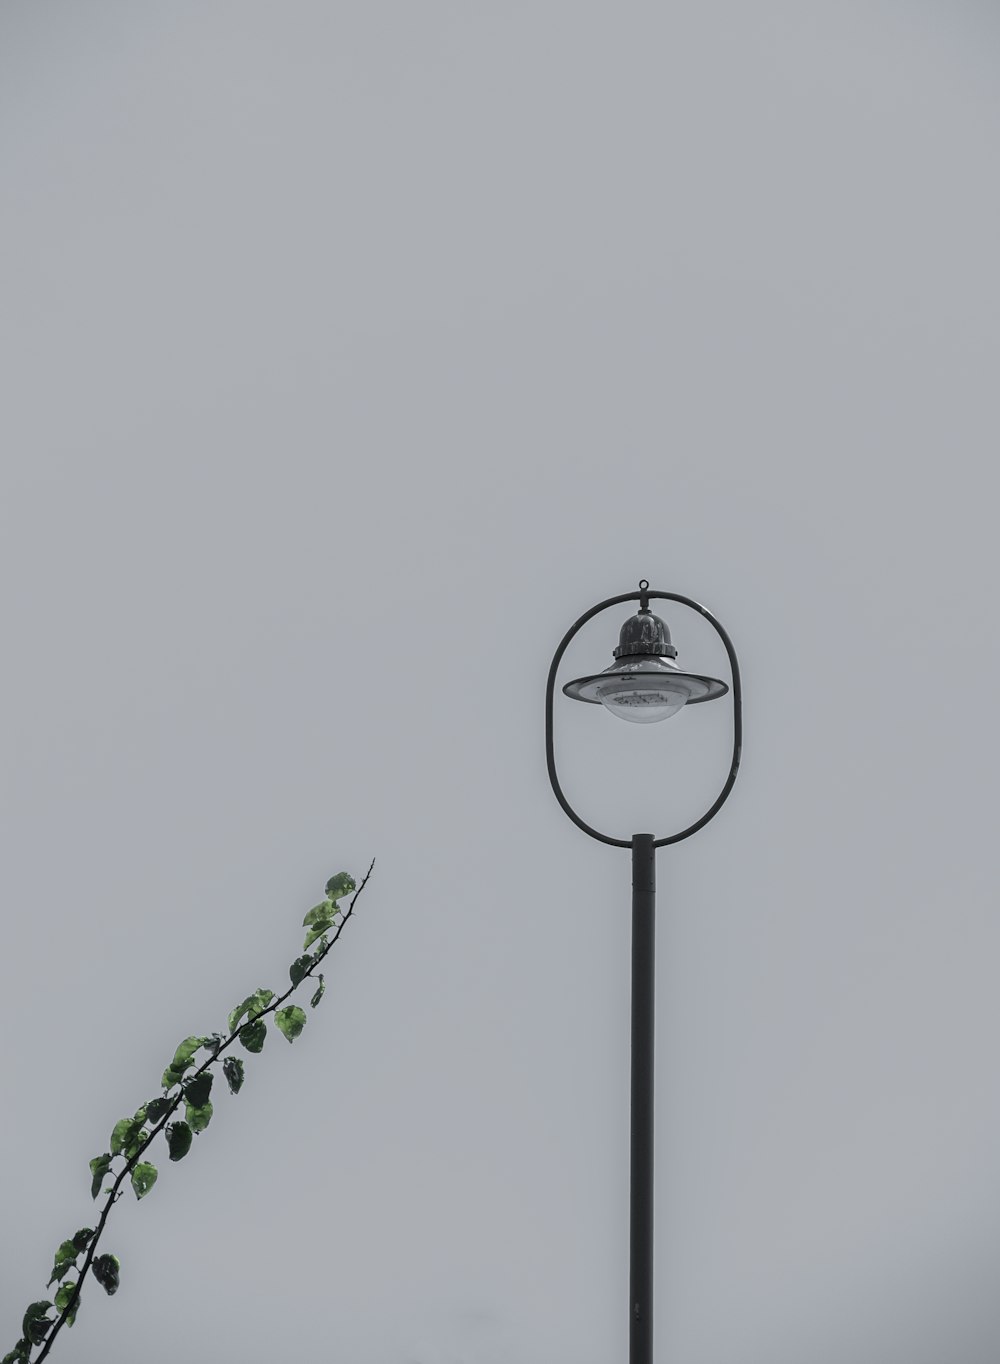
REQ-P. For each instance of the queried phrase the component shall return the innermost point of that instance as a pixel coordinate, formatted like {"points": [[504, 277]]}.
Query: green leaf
{"points": [[291, 1021], [120, 1135], [318, 920], [178, 1140], [64, 1261], [317, 931], [199, 1118], [339, 885], [137, 1141], [83, 1238], [106, 1270], [299, 968], [20, 1353], [326, 909], [158, 1108], [232, 1069], [143, 1178], [183, 1057], [197, 1090], [252, 1035], [214, 1042], [252, 1006], [99, 1167], [35, 1326], [127, 1137], [321, 991], [63, 1296]]}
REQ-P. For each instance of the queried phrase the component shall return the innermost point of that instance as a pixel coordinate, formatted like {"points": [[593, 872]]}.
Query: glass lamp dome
{"points": [[644, 684]]}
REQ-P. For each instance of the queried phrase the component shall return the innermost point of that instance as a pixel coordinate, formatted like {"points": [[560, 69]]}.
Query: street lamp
{"points": [[643, 685]]}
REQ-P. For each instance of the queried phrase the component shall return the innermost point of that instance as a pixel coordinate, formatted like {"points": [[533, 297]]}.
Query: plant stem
{"points": [[114, 1192]]}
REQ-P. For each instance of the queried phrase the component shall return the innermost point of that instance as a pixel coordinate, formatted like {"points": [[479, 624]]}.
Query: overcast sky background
{"points": [[350, 352]]}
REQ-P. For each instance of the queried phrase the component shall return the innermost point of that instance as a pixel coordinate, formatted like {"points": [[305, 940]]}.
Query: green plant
{"points": [[132, 1137]]}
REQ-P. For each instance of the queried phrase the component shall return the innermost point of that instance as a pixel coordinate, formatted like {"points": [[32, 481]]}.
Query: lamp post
{"points": [[643, 685]]}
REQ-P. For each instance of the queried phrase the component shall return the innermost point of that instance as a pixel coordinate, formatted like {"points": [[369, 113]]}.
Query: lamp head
{"points": [[644, 684]]}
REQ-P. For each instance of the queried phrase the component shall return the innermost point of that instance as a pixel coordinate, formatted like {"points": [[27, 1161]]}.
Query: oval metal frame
{"points": [[737, 695]]}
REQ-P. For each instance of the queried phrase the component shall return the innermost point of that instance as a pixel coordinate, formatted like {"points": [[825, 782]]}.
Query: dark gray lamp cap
{"points": [[644, 633]]}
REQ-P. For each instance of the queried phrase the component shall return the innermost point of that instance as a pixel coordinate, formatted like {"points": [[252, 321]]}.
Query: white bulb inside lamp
{"points": [[641, 700]]}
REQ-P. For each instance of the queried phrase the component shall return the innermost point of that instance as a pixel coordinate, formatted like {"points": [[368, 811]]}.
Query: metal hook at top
{"points": [[643, 599]]}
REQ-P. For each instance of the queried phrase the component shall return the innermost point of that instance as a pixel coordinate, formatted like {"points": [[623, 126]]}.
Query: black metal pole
{"points": [[643, 907], [641, 1153]]}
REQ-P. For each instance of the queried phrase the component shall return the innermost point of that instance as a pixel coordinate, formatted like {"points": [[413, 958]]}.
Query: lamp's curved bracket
{"points": [[641, 596]]}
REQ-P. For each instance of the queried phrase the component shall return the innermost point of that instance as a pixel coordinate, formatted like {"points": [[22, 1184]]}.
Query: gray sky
{"points": [[350, 352]]}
